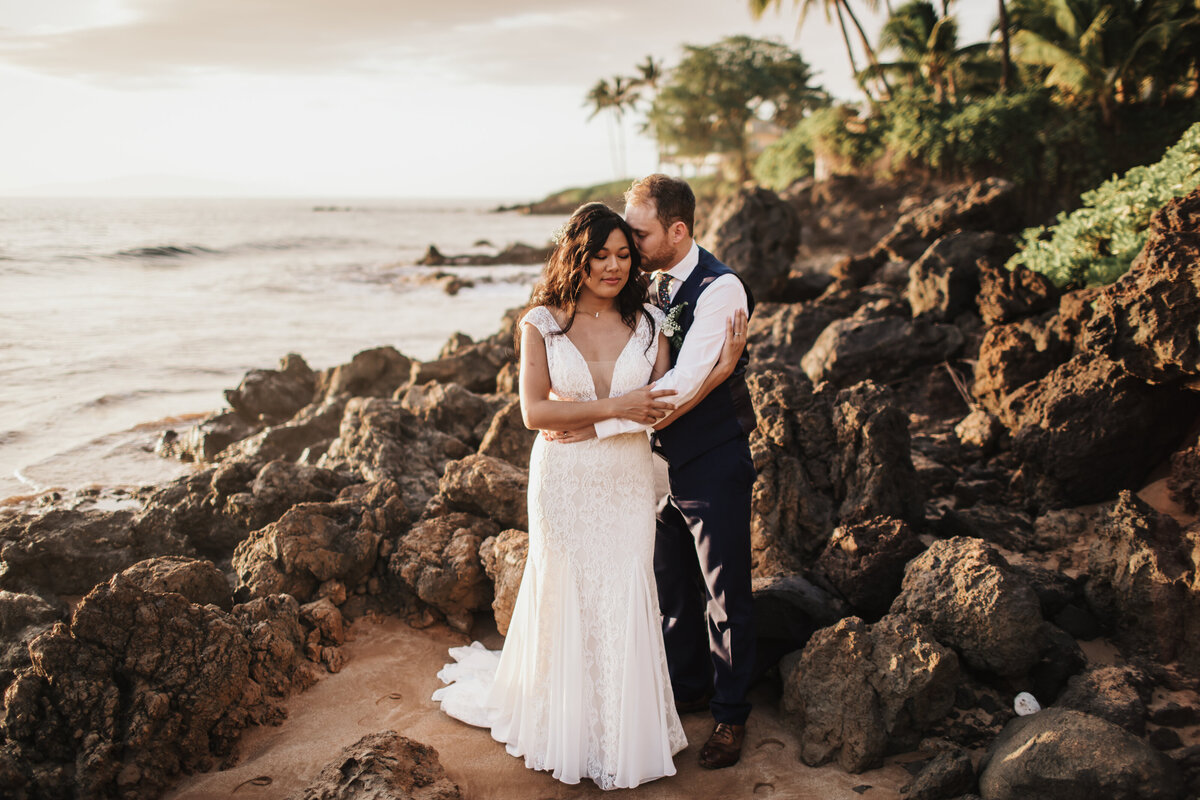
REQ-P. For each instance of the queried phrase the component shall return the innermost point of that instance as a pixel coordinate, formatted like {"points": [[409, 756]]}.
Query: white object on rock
{"points": [[1025, 704]]}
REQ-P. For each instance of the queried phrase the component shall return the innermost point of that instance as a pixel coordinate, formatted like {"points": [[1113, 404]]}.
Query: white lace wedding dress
{"points": [[581, 687]]}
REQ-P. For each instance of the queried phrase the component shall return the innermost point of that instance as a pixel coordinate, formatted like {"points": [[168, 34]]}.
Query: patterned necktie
{"points": [[664, 290]]}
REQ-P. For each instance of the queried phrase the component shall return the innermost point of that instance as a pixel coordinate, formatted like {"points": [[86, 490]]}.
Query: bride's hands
{"points": [[644, 406], [570, 437]]}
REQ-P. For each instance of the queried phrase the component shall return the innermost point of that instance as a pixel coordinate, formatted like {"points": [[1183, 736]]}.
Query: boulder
{"points": [[383, 766], [979, 431], [140, 687], [380, 439], [859, 691], [507, 438], [317, 542], [64, 552], [873, 473], [865, 562], [214, 509], [944, 281], [450, 409], [199, 581], [275, 632], [781, 333], [487, 487], [1143, 581], [788, 609], [1094, 429], [23, 617], [1006, 295], [1070, 755], [378, 372], [271, 396], [1014, 354], [205, 441], [757, 234], [1146, 320], [793, 446], [964, 592], [1184, 479], [305, 437], [999, 524], [503, 558], [1117, 694], [989, 205], [438, 562], [474, 367], [949, 774], [878, 348]]}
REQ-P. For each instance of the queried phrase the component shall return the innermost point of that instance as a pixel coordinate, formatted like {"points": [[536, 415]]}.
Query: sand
{"points": [[387, 684]]}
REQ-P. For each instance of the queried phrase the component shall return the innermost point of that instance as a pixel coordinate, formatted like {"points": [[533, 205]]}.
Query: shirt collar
{"points": [[683, 270]]}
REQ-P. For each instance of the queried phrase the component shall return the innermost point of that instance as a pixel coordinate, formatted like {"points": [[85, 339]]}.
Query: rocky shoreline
{"points": [[946, 515]]}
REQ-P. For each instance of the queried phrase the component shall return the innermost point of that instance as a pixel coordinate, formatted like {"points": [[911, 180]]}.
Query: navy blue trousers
{"points": [[702, 566]]}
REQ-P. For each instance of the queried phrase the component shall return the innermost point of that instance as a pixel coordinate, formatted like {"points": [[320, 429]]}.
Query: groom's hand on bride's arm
{"points": [[644, 406]]}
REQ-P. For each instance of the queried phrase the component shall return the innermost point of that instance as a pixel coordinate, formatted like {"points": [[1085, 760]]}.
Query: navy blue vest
{"points": [[727, 411]]}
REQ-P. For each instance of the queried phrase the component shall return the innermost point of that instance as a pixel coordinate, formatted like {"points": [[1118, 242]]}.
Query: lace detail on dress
{"points": [[581, 687]]}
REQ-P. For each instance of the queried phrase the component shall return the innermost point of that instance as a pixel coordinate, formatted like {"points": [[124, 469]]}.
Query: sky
{"points": [[350, 98]]}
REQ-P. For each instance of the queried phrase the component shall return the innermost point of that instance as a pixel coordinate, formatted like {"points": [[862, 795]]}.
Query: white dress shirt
{"points": [[702, 344]]}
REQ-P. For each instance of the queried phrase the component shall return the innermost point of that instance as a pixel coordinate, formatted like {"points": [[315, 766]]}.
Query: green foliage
{"points": [[1095, 244], [836, 133], [706, 102]]}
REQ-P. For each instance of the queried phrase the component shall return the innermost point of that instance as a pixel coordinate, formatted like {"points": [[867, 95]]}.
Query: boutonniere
{"points": [[671, 327]]}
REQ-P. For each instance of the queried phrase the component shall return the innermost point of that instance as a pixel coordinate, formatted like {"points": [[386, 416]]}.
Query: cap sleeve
{"points": [[657, 315], [541, 318]]}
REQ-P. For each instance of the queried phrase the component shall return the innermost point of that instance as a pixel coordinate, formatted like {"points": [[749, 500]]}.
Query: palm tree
{"points": [[602, 98], [928, 47], [843, 10]]}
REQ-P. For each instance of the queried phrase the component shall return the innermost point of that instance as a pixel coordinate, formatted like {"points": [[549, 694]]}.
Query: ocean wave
{"points": [[164, 251]]}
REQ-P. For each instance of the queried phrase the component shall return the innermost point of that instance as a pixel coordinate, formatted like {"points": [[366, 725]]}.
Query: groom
{"points": [[702, 549]]}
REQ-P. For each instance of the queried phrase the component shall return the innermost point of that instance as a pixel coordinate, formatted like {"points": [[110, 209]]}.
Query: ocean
{"points": [[122, 318]]}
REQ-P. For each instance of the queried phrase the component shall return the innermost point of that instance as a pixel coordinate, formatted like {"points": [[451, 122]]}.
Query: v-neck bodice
{"points": [[571, 377]]}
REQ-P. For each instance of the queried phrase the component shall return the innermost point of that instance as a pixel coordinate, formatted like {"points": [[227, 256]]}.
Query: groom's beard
{"points": [[663, 258]]}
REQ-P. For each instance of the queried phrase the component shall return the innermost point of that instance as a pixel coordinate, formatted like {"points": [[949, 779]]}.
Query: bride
{"points": [[581, 687]]}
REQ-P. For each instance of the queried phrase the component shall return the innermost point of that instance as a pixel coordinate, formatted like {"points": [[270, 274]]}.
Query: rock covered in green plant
{"points": [[1096, 244]]}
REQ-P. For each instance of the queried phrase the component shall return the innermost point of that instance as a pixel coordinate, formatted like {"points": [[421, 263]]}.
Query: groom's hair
{"points": [[673, 199]]}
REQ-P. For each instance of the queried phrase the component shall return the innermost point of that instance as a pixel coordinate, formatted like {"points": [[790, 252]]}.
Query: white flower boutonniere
{"points": [[671, 327]]}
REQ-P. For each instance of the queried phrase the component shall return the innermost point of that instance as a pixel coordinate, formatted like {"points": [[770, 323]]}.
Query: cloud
{"points": [[533, 41]]}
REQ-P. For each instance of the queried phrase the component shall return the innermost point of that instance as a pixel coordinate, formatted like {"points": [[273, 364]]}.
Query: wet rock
{"points": [[792, 506], [990, 205], [1093, 429], [1069, 755], [451, 409], [272, 396], [199, 581], [1142, 580], [438, 563], [383, 766], [23, 617], [879, 348], [69, 552], [516, 253], [1006, 295], [757, 234], [379, 439], [865, 562], [1113, 693], [857, 691], [487, 487], [140, 687], [474, 367], [507, 438], [305, 437], [206, 440], [948, 775], [873, 473], [969, 599], [1146, 320], [944, 281], [317, 542], [378, 372], [214, 509], [503, 558], [1012, 355]]}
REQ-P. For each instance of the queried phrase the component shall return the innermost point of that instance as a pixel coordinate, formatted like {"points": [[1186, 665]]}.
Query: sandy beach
{"points": [[387, 684]]}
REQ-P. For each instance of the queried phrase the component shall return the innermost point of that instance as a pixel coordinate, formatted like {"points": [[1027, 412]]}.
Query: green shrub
{"points": [[836, 133], [1095, 244]]}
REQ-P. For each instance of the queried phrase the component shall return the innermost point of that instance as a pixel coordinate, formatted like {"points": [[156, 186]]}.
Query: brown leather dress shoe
{"points": [[724, 747]]}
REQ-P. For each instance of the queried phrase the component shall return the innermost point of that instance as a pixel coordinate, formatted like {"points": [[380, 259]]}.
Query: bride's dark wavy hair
{"points": [[584, 235]]}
